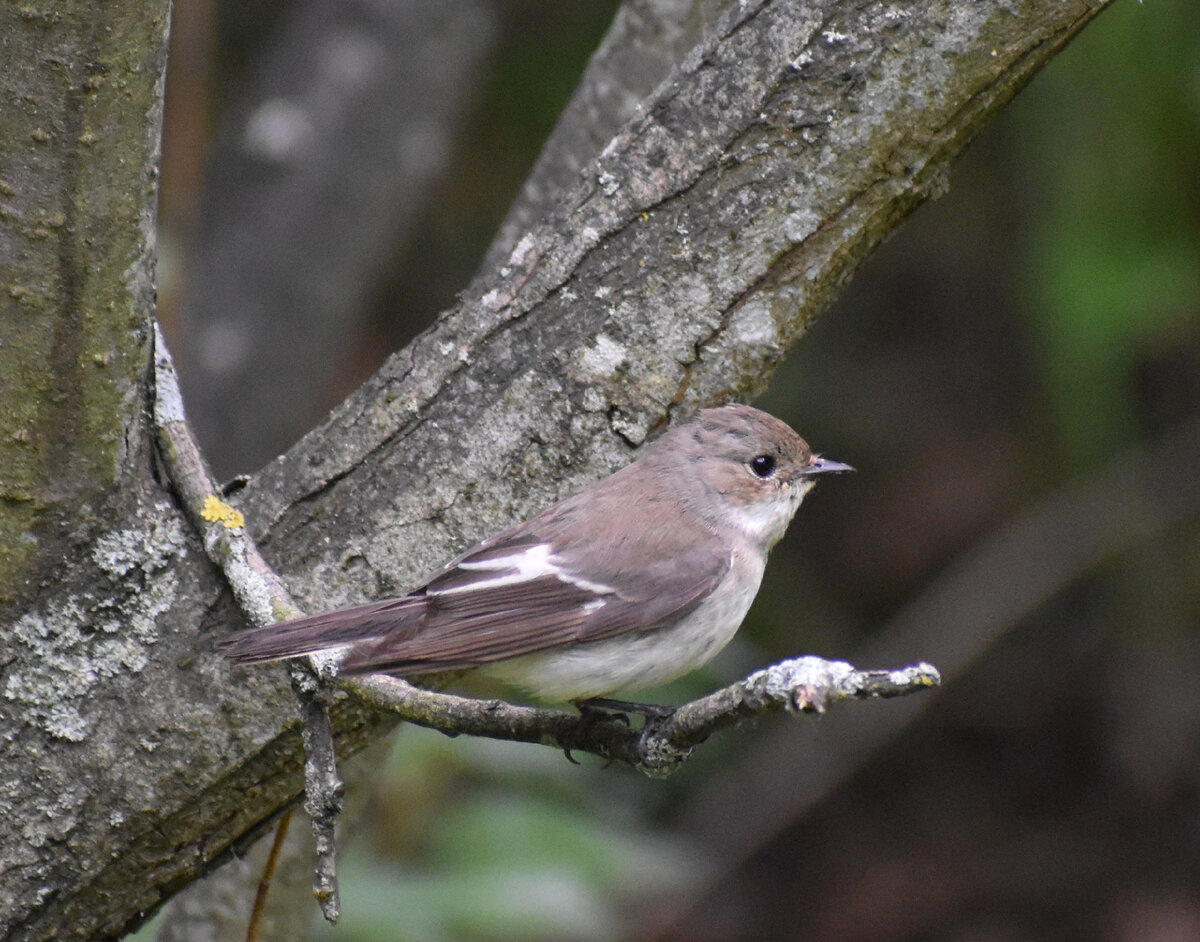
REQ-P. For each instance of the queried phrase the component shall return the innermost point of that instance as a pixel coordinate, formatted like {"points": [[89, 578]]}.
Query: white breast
{"points": [[645, 659]]}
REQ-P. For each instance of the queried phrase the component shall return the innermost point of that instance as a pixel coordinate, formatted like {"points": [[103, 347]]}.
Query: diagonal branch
{"points": [[263, 599]]}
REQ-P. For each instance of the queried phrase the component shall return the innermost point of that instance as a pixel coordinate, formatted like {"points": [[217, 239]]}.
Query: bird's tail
{"points": [[321, 632]]}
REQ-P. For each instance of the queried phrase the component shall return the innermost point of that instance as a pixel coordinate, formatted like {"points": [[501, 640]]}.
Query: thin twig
{"points": [[263, 599], [322, 786], [806, 684], [254, 927]]}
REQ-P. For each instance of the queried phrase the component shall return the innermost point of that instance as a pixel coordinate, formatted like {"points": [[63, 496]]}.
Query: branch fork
{"points": [[798, 685]]}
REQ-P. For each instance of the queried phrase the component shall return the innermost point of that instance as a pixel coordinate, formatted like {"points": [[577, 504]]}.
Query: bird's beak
{"points": [[824, 466]]}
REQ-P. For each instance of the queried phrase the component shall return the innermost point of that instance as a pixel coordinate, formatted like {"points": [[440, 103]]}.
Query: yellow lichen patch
{"points": [[216, 510]]}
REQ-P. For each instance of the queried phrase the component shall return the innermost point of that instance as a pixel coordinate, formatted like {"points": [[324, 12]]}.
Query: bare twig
{"points": [[264, 600], [806, 684], [254, 928], [259, 591], [322, 786]]}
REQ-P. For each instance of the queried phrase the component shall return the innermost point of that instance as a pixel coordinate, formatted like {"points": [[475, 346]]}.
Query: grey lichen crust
{"points": [[78, 641]]}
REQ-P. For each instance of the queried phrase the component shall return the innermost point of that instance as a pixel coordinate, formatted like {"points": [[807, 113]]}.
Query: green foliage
{"points": [[505, 842], [1114, 270]]}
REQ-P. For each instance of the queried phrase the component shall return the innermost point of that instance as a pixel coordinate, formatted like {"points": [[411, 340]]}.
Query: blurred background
{"points": [[1016, 375]]}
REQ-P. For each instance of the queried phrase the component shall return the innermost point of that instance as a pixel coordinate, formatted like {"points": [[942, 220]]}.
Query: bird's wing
{"points": [[611, 559], [525, 594]]}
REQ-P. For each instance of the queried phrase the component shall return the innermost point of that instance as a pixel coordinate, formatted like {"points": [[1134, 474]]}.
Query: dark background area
{"points": [[1016, 375]]}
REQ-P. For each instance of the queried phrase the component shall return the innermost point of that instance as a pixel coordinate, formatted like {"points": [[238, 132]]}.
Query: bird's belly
{"points": [[642, 659]]}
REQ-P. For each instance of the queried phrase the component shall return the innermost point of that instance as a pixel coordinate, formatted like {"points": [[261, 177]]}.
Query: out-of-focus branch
{"points": [[320, 169]]}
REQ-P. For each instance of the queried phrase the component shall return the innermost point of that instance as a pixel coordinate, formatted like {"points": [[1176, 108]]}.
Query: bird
{"points": [[631, 582]]}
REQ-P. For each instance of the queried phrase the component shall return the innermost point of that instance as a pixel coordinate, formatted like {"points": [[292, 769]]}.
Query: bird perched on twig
{"points": [[631, 582]]}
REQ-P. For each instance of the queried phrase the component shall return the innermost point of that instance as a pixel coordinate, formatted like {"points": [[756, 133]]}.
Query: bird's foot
{"points": [[598, 709], [622, 708]]}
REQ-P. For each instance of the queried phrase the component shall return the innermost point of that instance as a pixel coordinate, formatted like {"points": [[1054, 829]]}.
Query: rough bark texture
{"points": [[648, 38], [675, 270]]}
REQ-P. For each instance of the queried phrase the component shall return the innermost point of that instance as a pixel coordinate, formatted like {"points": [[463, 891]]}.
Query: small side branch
{"points": [[799, 685], [263, 599]]}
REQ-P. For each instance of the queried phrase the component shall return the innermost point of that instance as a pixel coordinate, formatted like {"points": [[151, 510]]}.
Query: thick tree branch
{"points": [[648, 38], [78, 181]]}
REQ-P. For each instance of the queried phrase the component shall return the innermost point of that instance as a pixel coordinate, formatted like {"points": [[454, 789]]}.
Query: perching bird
{"points": [[631, 582]]}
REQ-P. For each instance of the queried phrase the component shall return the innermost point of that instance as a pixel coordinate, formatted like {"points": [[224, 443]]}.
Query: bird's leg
{"points": [[601, 705], [589, 716], [598, 709]]}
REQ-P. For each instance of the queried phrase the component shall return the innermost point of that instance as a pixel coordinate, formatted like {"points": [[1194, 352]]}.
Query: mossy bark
{"points": [[78, 182]]}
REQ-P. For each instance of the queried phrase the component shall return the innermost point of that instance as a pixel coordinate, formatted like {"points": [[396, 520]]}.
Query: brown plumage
{"points": [[628, 556]]}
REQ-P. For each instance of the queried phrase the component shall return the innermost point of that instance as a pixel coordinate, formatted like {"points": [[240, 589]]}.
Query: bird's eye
{"points": [[763, 465]]}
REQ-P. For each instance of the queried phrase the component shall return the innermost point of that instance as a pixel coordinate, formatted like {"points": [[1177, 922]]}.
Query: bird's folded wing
{"points": [[554, 580], [507, 601], [322, 632]]}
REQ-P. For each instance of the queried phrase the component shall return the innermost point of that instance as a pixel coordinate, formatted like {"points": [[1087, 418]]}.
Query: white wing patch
{"points": [[527, 565], [599, 588]]}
